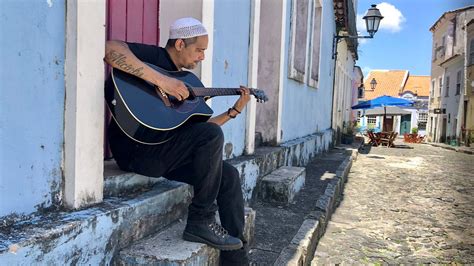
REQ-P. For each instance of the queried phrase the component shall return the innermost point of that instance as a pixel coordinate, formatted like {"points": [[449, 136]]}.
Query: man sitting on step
{"points": [[194, 153]]}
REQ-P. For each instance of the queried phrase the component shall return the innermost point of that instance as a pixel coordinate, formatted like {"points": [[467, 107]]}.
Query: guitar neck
{"points": [[201, 92]]}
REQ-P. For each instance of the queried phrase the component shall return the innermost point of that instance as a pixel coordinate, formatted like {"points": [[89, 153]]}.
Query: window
{"points": [[422, 120], [371, 121], [315, 45], [440, 50], [453, 21], [432, 89], [440, 86], [299, 40], [431, 125], [421, 125], [471, 52], [360, 92], [458, 83], [423, 117], [446, 93]]}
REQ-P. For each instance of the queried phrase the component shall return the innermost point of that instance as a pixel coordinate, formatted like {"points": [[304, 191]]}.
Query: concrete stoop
{"points": [[282, 184], [94, 235], [168, 248], [134, 207]]}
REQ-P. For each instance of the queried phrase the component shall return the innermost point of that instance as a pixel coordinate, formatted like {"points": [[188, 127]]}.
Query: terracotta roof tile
{"points": [[419, 85], [389, 82]]}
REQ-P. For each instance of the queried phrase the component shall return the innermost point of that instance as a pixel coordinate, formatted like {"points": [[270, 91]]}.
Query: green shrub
{"points": [[414, 130]]}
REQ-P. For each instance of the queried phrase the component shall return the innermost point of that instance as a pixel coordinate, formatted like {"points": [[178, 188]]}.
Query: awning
{"points": [[391, 110]]}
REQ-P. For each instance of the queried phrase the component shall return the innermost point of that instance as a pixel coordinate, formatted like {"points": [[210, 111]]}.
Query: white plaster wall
{"points": [[452, 102]]}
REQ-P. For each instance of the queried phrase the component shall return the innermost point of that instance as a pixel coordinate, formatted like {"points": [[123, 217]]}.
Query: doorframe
{"points": [[84, 106], [252, 76]]}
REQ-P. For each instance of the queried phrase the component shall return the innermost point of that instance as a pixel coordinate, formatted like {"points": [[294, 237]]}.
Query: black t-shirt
{"points": [[121, 145]]}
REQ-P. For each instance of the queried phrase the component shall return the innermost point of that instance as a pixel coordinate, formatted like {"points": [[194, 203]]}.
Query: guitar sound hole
{"points": [[184, 106]]}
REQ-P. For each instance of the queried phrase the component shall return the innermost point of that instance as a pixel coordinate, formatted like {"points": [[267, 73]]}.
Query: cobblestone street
{"points": [[410, 204]]}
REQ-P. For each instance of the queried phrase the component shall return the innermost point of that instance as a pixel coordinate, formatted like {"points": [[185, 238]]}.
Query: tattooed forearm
{"points": [[119, 60]]}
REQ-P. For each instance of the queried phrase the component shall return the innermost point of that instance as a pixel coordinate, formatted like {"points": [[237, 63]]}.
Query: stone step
{"points": [[93, 236], [168, 248], [118, 182], [282, 184], [251, 168]]}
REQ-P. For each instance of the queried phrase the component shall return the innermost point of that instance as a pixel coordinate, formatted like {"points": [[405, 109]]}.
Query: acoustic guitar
{"points": [[152, 118]]}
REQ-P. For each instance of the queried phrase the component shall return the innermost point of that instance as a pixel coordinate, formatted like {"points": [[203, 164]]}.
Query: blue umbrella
{"points": [[383, 101]]}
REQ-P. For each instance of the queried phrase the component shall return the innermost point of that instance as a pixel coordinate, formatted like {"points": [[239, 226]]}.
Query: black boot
{"points": [[211, 233]]}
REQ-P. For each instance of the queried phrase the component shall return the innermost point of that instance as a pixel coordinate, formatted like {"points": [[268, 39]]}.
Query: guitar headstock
{"points": [[259, 95]]}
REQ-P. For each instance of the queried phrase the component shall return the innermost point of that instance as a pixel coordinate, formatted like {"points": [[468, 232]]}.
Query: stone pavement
{"points": [[468, 150], [287, 233], [407, 205]]}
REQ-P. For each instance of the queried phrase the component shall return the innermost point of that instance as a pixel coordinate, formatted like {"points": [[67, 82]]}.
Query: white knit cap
{"points": [[184, 28]]}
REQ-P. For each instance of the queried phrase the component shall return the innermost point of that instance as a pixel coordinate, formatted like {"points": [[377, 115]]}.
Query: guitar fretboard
{"points": [[201, 92]]}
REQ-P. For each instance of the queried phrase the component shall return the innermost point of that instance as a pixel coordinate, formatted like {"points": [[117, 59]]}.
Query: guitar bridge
{"points": [[163, 96]]}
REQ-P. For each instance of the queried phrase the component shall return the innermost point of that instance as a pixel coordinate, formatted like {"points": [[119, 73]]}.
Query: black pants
{"points": [[194, 156]]}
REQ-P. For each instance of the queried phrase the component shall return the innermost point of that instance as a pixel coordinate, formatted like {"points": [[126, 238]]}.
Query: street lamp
{"points": [[373, 84], [372, 22]]}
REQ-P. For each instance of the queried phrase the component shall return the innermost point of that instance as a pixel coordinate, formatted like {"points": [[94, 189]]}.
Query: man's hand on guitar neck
{"points": [[243, 99]]}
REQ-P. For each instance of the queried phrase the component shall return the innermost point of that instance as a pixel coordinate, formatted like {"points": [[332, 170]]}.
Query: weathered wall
{"points": [[31, 104], [307, 110], [342, 88], [269, 69], [230, 66]]}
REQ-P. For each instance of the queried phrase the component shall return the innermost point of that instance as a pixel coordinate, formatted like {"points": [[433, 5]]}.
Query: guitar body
{"points": [[141, 113]]}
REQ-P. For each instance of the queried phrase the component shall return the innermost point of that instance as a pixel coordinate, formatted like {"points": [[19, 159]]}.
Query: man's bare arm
{"points": [[118, 55], [236, 110]]}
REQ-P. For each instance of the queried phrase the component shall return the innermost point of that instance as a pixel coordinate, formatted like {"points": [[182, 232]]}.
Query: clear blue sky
{"points": [[404, 41]]}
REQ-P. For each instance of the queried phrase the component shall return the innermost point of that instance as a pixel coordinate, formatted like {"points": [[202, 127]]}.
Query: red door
{"points": [[131, 21]]}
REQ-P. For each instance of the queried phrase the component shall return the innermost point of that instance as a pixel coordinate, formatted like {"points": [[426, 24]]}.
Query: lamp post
{"points": [[372, 22]]}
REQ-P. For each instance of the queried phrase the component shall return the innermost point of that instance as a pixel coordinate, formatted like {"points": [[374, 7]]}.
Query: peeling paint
{"points": [[50, 3]]}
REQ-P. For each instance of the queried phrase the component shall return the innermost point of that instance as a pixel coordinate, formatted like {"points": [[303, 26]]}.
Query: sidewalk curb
{"points": [[448, 147], [301, 249]]}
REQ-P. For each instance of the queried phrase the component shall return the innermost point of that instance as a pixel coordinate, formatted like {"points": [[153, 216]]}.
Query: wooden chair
{"points": [[385, 140], [374, 139], [420, 139], [406, 137], [392, 139]]}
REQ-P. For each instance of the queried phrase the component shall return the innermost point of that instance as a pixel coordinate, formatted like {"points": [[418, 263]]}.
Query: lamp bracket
{"points": [[338, 38]]}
